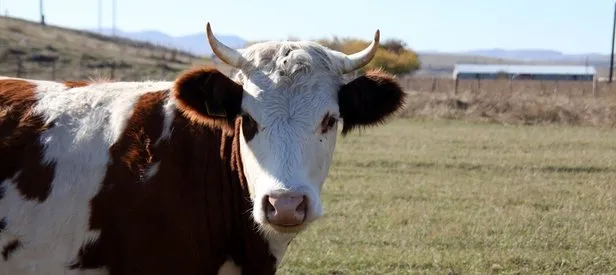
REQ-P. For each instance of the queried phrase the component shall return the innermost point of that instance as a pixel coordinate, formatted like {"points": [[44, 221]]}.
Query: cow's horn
{"points": [[222, 51], [357, 60]]}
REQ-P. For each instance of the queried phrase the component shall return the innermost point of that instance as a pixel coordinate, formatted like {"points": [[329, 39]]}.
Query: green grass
{"points": [[450, 197]]}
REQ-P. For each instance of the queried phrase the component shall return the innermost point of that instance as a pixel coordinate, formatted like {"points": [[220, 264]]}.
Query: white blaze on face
{"points": [[291, 94]]}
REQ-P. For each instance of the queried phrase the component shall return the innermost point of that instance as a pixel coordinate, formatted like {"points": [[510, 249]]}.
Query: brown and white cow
{"points": [[202, 175]]}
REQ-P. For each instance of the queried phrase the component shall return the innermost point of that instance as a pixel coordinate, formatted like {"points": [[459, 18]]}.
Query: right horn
{"points": [[222, 51], [357, 60]]}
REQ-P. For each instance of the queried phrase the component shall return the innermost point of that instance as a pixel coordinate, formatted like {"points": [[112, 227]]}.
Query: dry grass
{"points": [[514, 102], [30, 50], [450, 197]]}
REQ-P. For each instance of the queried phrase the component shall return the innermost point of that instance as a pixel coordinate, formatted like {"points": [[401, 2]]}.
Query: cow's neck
{"points": [[251, 250], [181, 190]]}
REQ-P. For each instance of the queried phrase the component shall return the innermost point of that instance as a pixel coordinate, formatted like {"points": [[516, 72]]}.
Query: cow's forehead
{"points": [[289, 78], [266, 56], [303, 72]]}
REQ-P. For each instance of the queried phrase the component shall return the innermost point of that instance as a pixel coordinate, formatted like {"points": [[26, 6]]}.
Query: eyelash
{"points": [[328, 123]]}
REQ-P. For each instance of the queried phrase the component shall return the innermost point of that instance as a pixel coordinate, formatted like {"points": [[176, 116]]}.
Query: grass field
{"points": [[450, 197]]}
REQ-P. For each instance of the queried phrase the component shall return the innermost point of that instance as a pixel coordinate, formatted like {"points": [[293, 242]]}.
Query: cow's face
{"points": [[290, 98], [289, 122]]}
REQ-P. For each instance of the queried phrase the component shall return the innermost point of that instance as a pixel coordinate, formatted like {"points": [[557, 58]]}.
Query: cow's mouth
{"points": [[288, 228]]}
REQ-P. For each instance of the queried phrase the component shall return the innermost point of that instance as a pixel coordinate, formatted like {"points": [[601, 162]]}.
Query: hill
{"points": [[544, 55], [28, 49], [193, 43]]}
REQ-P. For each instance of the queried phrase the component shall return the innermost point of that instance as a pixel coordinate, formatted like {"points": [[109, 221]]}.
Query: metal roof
{"points": [[524, 69]]}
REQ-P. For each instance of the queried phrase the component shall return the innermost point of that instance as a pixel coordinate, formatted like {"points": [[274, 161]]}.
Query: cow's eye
{"points": [[327, 123], [249, 126]]}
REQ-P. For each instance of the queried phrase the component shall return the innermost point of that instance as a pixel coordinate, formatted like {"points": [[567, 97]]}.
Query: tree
{"points": [[393, 56], [394, 45]]}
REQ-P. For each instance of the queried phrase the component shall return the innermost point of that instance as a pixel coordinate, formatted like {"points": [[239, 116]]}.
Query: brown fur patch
{"points": [[369, 99], [208, 97], [236, 158], [188, 218], [9, 248], [20, 147], [131, 156], [76, 84], [88, 257]]}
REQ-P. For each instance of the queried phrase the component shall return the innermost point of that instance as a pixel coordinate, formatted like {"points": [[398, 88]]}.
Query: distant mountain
{"points": [[539, 55], [195, 43]]}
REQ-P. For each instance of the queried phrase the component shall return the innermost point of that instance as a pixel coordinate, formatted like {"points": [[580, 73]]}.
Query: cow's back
{"points": [[55, 141]]}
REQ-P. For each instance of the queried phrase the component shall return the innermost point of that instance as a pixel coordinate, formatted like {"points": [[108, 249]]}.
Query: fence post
{"points": [[19, 67], [433, 88], [53, 69], [112, 70], [478, 85], [455, 86], [162, 71], [556, 88]]}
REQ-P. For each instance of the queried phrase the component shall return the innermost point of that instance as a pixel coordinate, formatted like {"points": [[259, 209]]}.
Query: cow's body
{"points": [[93, 175], [202, 175]]}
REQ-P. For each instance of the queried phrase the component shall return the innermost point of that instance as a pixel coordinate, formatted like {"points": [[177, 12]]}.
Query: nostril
{"points": [[285, 209], [303, 205], [267, 205]]}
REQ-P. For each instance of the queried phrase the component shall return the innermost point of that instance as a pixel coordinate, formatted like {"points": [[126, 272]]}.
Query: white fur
{"points": [[169, 109], [229, 268], [289, 88], [151, 171], [88, 120]]}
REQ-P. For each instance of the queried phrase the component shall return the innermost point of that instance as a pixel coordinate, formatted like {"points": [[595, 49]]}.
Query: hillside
{"points": [[30, 50]]}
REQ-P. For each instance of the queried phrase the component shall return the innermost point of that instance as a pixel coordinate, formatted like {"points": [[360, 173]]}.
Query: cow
{"points": [[206, 174]]}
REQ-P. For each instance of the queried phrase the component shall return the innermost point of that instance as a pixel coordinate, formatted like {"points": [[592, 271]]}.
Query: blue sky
{"points": [[572, 26]]}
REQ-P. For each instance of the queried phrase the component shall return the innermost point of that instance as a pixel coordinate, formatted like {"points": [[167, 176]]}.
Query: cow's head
{"points": [[290, 97]]}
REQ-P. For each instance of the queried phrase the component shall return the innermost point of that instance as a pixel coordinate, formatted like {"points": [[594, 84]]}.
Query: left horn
{"points": [[357, 60], [222, 51]]}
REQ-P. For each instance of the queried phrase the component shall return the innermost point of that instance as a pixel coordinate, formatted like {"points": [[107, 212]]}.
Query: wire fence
{"points": [[542, 87], [17, 64], [47, 67]]}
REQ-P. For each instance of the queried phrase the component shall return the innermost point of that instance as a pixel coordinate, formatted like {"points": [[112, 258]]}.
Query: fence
{"points": [[447, 85], [84, 67]]}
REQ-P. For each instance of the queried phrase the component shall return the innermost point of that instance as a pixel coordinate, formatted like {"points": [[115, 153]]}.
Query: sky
{"points": [[570, 26]]}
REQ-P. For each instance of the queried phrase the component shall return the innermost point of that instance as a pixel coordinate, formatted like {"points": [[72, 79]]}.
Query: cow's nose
{"points": [[286, 209]]}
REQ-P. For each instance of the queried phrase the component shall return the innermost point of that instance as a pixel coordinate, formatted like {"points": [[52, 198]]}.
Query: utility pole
{"points": [[100, 20], [42, 15], [612, 52], [113, 28]]}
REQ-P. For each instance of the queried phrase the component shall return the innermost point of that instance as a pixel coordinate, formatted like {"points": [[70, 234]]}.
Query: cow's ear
{"points": [[207, 96], [369, 100]]}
